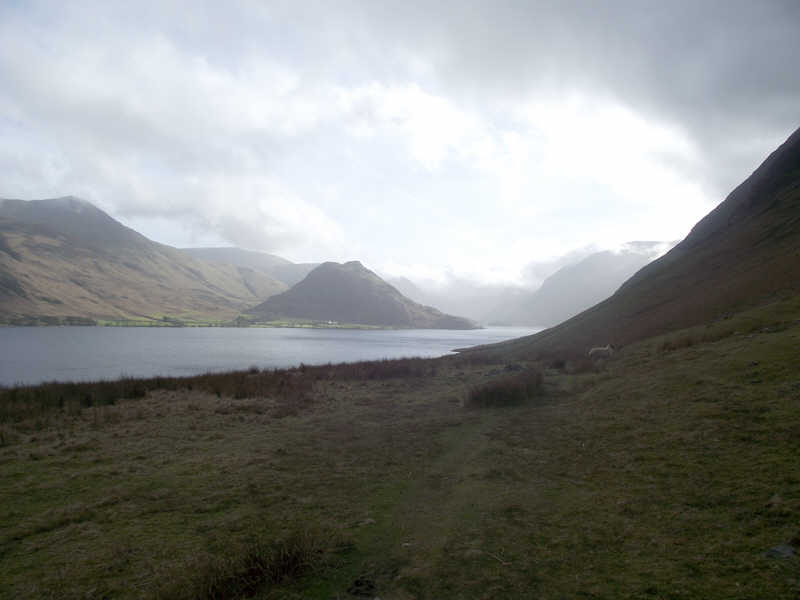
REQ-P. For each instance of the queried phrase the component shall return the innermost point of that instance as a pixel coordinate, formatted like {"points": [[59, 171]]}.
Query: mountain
{"points": [[474, 300], [576, 287], [581, 283], [350, 293], [744, 253], [271, 265], [64, 257]]}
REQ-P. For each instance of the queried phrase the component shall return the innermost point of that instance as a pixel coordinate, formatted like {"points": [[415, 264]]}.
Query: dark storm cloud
{"points": [[726, 71]]}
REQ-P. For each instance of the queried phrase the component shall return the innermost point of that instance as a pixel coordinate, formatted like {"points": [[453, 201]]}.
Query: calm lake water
{"points": [[36, 354]]}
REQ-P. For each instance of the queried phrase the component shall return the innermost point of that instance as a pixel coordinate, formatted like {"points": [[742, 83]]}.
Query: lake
{"points": [[36, 354]]}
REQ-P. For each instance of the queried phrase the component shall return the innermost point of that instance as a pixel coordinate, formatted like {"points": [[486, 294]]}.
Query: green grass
{"points": [[668, 472]]}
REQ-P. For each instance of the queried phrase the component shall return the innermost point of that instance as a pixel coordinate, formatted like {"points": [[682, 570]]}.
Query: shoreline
{"points": [[234, 324]]}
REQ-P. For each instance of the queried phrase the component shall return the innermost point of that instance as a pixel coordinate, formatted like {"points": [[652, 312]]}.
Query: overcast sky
{"points": [[423, 138]]}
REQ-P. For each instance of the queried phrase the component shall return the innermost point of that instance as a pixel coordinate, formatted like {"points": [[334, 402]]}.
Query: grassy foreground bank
{"points": [[669, 472]]}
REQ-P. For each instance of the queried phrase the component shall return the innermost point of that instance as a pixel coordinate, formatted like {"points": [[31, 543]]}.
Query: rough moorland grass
{"points": [[117, 499], [776, 315], [374, 369], [249, 570], [24, 402], [292, 385]]}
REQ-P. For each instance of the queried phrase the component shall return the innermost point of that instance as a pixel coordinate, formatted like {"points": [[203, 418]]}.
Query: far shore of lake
{"points": [[239, 322]]}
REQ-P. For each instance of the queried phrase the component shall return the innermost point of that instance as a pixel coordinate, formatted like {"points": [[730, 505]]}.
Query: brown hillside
{"points": [[744, 252], [66, 258]]}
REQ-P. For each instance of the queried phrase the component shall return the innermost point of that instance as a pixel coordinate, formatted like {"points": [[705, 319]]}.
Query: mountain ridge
{"points": [[64, 257]]}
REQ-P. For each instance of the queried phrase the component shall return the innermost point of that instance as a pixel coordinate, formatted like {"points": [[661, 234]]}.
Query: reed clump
{"points": [[508, 391], [253, 568], [293, 386]]}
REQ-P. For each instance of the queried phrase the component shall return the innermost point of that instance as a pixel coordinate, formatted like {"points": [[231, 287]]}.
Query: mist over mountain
{"points": [[473, 299], [568, 285], [64, 257], [274, 266], [351, 293], [576, 287]]}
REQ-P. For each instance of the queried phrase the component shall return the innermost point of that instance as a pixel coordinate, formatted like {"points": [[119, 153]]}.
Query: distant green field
{"points": [[314, 324]]}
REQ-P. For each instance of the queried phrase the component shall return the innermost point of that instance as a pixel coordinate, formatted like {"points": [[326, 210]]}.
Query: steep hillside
{"points": [[743, 253], [66, 258], [350, 293], [576, 287], [271, 265]]}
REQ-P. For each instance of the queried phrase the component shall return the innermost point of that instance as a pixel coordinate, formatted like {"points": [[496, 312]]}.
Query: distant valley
{"points": [[576, 287], [64, 261], [567, 291]]}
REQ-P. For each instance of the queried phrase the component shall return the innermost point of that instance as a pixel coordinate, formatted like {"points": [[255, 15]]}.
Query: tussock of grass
{"points": [[508, 391], [252, 569], [20, 403], [32, 402]]}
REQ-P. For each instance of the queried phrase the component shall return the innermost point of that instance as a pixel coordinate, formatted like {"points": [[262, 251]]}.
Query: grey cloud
{"points": [[535, 272], [184, 111], [253, 235], [723, 70]]}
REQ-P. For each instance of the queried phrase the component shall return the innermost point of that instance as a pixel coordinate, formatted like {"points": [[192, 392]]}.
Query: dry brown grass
{"points": [[293, 387], [246, 571]]}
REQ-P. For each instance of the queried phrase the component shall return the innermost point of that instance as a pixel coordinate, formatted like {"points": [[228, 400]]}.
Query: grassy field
{"points": [[668, 472]]}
